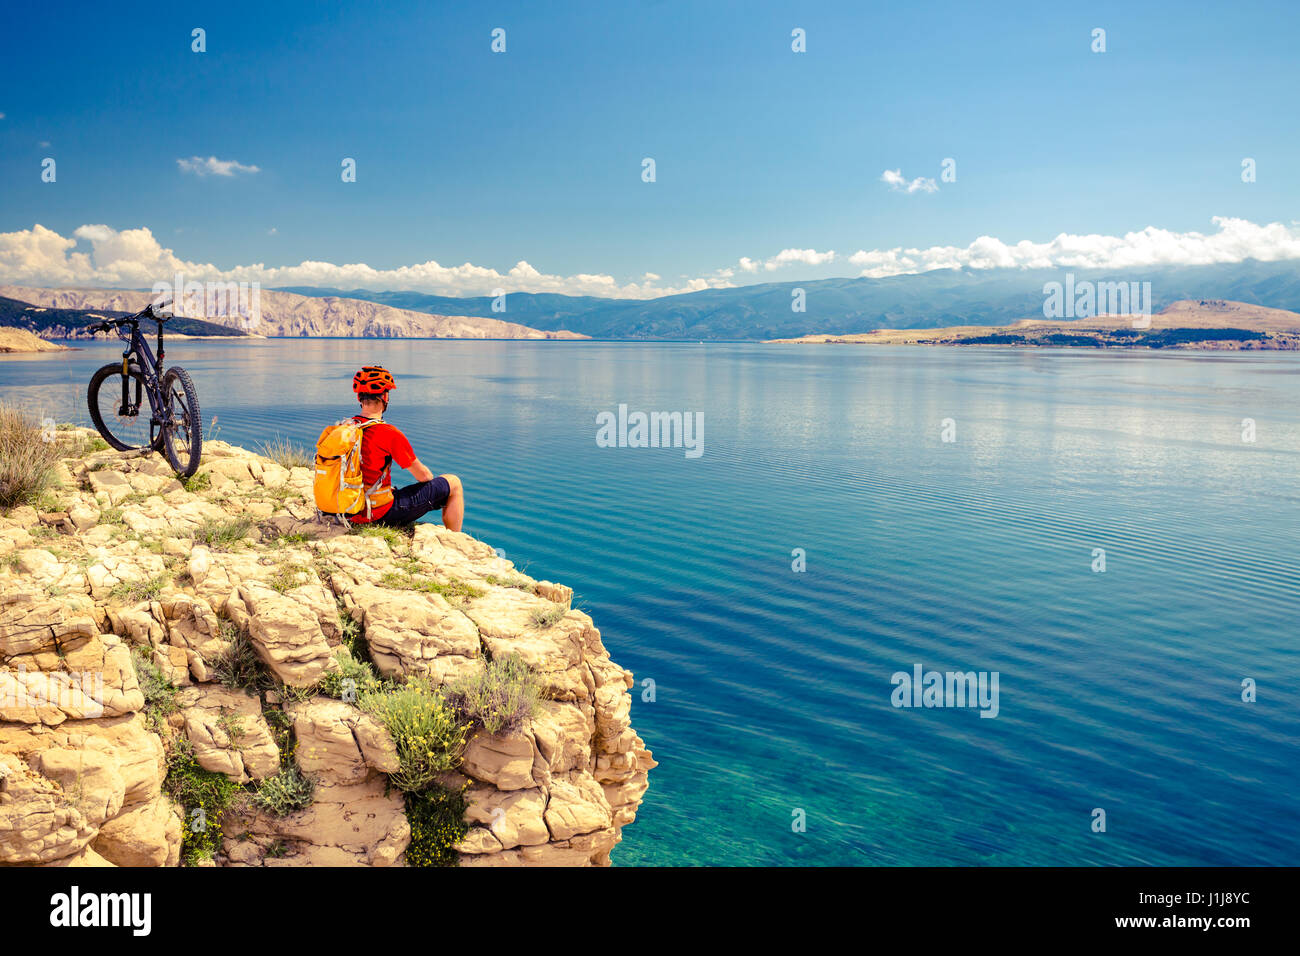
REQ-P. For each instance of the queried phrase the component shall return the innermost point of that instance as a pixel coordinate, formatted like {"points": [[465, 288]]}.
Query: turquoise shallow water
{"points": [[1119, 690]]}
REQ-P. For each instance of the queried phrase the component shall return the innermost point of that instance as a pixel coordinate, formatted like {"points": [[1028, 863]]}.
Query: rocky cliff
{"points": [[287, 314], [203, 674]]}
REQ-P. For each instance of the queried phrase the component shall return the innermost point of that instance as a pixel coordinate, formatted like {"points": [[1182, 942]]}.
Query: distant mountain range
{"points": [[50, 323], [945, 297], [280, 314], [938, 299]]}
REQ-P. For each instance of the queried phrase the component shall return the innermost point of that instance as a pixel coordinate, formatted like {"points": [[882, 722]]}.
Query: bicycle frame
{"points": [[150, 370]]}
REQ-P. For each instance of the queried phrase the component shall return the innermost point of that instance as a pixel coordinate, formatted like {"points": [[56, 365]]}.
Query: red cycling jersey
{"points": [[379, 444]]}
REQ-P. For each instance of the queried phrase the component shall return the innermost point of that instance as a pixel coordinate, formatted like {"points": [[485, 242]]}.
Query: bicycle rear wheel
{"points": [[183, 422], [128, 426]]}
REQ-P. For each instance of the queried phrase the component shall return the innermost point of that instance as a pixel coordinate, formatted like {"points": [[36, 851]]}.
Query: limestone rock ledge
{"points": [[134, 562]]}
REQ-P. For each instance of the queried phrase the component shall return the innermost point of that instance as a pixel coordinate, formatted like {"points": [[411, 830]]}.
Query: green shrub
{"points": [[204, 797], [159, 692], [500, 697], [200, 482], [437, 819], [27, 460], [222, 534], [360, 673], [430, 738], [287, 792]]}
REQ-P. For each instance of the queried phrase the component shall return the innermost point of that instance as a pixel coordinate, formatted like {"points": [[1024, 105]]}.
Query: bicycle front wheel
{"points": [[182, 422], [126, 419]]}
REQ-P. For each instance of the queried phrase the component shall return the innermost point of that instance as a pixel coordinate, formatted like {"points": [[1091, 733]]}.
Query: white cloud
{"points": [[100, 256], [1235, 241], [2, 116], [895, 179], [806, 257], [133, 258], [214, 167], [786, 257]]}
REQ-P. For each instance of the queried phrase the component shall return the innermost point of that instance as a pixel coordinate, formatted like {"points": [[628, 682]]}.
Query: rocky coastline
{"points": [[205, 674]]}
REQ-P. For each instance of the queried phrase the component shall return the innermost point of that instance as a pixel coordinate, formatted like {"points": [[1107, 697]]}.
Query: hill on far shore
{"points": [[940, 298], [1194, 324]]}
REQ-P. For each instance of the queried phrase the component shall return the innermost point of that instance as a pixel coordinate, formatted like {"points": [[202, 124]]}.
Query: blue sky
{"points": [[465, 156]]}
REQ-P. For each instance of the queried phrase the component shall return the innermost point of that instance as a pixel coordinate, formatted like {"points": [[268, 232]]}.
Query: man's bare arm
{"points": [[419, 472]]}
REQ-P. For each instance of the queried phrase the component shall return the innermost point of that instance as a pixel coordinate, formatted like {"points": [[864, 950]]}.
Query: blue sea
{"points": [[765, 691]]}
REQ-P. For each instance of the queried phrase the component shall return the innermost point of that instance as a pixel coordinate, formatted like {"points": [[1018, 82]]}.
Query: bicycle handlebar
{"points": [[151, 311]]}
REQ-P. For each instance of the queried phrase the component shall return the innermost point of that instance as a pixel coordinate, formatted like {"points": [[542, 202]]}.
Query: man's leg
{"points": [[453, 512], [416, 501]]}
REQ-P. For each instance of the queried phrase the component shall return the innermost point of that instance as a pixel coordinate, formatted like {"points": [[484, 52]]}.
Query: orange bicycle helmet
{"points": [[373, 380]]}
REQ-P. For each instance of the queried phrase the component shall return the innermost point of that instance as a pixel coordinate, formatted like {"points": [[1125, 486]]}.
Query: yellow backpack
{"points": [[339, 487]]}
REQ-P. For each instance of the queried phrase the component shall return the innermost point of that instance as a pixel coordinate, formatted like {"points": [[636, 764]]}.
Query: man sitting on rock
{"points": [[382, 445]]}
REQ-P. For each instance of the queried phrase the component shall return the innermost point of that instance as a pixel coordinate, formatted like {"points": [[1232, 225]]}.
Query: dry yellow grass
{"points": [[27, 457]]}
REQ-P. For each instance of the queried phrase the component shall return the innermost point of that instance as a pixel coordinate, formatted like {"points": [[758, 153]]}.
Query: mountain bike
{"points": [[170, 422]]}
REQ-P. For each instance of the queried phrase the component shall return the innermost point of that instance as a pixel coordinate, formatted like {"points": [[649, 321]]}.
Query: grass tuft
{"points": [[287, 454], [288, 791], [223, 534], [27, 460], [509, 581], [452, 590], [544, 617], [393, 536], [286, 576], [239, 667], [200, 482], [133, 592]]}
